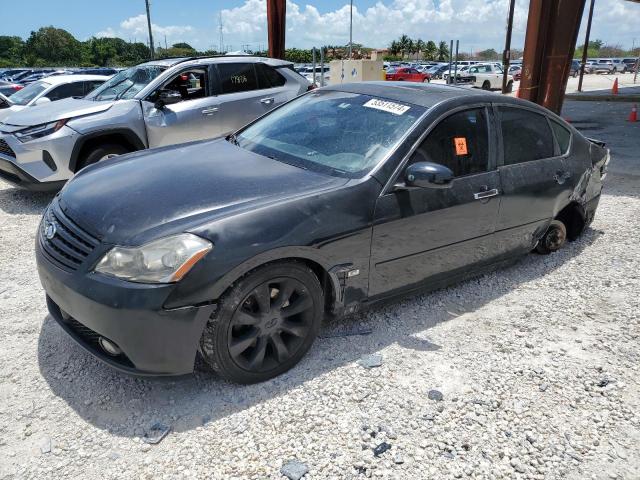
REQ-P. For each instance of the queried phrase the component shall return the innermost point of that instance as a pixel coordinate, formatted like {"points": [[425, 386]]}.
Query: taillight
{"points": [[17, 87]]}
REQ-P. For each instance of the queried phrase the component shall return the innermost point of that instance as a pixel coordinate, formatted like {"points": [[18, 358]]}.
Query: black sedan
{"points": [[236, 248]]}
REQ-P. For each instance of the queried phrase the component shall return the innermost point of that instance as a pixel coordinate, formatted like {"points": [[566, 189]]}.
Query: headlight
{"points": [[40, 131], [162, 261]]}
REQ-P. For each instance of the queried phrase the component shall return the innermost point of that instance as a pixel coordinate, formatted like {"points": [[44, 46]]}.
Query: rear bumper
{"points": [[154, 341]]}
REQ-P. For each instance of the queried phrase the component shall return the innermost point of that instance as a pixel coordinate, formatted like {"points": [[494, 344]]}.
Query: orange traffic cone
{"points": [[633, 116], [614, 90], [518, 93]]}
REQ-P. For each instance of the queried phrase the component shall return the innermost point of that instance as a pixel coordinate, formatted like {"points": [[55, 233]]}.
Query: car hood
{"points": [[146, 195], [50, 112], [6, 112]]}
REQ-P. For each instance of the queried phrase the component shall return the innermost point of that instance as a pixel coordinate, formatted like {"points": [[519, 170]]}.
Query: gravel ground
{"points": [[528, 372]]}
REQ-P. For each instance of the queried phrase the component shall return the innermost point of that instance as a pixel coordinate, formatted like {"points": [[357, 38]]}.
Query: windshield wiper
{"points": [[233, 139]]}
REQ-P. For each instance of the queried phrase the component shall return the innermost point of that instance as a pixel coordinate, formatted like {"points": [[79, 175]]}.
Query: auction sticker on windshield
{"points": [[387, 106]]}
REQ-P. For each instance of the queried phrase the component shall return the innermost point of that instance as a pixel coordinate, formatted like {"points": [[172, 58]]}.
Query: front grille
{"points": [[69, 245], [5, 149]]}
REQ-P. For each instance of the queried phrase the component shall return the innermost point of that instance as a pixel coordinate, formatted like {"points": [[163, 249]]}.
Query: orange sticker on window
{"points": [[461, 145]]}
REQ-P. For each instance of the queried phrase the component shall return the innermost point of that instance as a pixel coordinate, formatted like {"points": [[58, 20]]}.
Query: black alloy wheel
{"points": [[265, 323], [269, 327]]}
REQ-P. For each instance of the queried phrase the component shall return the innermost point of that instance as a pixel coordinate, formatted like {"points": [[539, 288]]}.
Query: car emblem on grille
{"points": [[50, 231]]}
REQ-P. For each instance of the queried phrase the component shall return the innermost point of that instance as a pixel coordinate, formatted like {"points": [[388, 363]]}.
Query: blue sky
{"points": [[478, 24]]}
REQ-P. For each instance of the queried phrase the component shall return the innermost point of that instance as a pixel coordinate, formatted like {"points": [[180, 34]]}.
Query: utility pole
{"points": [[506, 55], [585, 49], [221, 34], [150, 33], [351, 30]]}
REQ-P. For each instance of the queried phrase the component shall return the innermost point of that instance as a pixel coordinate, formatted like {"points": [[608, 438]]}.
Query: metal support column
{"points": [[552, 31], [585, 50], [276, 25]]}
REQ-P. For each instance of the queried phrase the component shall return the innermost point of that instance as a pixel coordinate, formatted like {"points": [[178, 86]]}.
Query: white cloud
{"points": [[478, 24], [136, 28]]}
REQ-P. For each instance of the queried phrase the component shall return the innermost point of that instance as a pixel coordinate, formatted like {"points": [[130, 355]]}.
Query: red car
{"points": [[407, 75]]}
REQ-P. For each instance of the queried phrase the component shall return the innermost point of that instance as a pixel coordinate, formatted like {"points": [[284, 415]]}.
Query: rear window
{"points": [[268, 77], [563, 136], [526, 136]]}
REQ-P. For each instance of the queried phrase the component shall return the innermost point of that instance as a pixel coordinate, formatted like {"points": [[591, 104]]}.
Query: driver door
{"points": [[434, 233], [195, 117]]}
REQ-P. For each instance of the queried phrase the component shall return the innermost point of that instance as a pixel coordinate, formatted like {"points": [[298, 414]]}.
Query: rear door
{"points": [[535, 176], [196, 117], [248, 91], [422, 233]]}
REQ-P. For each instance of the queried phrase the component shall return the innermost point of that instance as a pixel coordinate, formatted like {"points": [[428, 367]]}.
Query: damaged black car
{"points": [[235, 249]]}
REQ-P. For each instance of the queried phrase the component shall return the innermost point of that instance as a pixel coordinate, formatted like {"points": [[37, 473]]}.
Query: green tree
{"points": [[406, 44], [488, 54], [431, 50], [11, 50], [52, 46], [419, 47], [394, 48], [443, 51]]}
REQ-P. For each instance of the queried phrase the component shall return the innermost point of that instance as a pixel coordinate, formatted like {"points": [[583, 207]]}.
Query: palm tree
{"points": [[394, 48], [430, 50], [405, 44], [443, 51], [419, 47]]}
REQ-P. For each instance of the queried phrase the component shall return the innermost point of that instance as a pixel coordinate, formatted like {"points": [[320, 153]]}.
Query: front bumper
{"points": [[154, 341], [41, 164]]}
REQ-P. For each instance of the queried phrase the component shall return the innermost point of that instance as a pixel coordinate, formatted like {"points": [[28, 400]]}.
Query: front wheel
{"points": [[264, 324], [426, 80], [102, 152]]}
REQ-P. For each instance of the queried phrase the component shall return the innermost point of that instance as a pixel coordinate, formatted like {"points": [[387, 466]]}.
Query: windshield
{"points": [[338, 133], [28, 93], [127, 83]]}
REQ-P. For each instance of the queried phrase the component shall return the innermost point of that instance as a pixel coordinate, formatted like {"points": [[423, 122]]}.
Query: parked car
{"points": [[488, 76], [461, 71], [237, 248], [9, 88], [407, 74], [97, 71], [7, 74], [307, 72], [619, 66], [52, 89], [516, 72], [437, 71], [631, 63], [600, 66], [154, 104], [19, 77], [574, 69]]}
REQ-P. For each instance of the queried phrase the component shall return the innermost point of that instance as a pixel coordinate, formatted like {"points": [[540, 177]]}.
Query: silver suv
{"points": [[154, 104]]}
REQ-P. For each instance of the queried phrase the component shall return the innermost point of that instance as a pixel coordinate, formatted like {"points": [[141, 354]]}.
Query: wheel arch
{"points": [[573, 216], [121, 136]]}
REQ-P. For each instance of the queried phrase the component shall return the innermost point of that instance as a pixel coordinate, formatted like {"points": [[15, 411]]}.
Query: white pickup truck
{"points": [[487, 76]]}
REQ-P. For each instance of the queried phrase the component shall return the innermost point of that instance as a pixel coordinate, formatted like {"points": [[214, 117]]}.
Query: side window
{"points": [[67, 90], [563, 136], [191, 84], [459, 142], [91, 86], [237, 77], [526, 136], [268, 77]]}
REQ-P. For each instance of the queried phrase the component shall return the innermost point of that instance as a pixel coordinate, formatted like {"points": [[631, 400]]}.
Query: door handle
{"points": [[267, 101], [486, 194], [210, 111]]}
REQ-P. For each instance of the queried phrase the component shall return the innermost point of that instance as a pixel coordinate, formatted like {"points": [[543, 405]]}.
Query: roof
{"points": [[424, 94], [170, 62], [60, 79]]}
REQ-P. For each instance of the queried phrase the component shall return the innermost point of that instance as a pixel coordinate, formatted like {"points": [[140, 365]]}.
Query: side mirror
{"points": [[167, 97], [428, 175], [42, 101]]}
